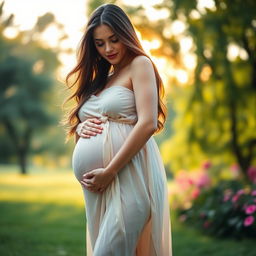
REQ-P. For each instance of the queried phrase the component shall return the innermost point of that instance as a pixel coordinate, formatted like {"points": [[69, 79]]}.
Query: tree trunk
{"points": [[244, 161], [22, 157], [21, 143]]}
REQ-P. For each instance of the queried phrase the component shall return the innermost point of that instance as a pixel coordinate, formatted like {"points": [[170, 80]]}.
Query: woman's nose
{"points": [[108, 47]]}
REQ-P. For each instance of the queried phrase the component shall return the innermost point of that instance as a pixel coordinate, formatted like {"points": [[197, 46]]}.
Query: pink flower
{"points": [[195, 193], [235, 169], [240, 192], [183, 180], [228, 191], [206, 224], [206, 164], [227, 194], [202, 215], [250, 209], [190, 181], [248, 221], [203, 180], [183, 217], [253, 193], [251, 172], [235, 198], [226, 198]]}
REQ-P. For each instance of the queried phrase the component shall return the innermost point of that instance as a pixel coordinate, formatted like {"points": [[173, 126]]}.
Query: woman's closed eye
{"points": [[115, 40], [112, 41]]}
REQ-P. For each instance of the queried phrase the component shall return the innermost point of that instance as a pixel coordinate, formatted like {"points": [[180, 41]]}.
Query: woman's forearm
{"points": [[138, 137], [76, 137]]}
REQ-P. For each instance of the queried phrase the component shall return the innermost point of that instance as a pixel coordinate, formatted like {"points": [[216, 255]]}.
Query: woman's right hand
{"points": [[90, 127]]}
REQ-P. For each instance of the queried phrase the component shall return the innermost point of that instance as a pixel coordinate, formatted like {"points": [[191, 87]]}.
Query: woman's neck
{"points": [[122, 64]]}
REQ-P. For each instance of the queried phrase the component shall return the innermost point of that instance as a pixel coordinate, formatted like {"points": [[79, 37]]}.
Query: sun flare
{"points": [[74, 28]]}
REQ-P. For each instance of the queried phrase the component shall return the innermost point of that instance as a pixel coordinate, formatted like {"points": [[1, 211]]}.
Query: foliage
{"points": [[186, 186], [27, 77], [225, 210], [215, 110], [215, 200]]}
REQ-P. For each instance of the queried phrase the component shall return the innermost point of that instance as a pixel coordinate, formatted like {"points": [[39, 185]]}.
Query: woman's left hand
{"points": [[97, 180]]}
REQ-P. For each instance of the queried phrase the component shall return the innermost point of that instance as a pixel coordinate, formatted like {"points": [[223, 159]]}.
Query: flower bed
{"points": [[227, 209], [215, 200]]}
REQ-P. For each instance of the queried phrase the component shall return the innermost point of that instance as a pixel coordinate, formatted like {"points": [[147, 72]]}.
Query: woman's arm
{"points": [[146, 98], [76, 137]]}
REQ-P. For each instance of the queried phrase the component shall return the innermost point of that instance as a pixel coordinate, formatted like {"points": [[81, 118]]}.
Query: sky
{"points": [[70, 13], [27, 11]]}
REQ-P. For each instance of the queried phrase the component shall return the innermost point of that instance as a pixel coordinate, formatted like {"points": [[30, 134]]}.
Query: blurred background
{"points": [[205, 51]]}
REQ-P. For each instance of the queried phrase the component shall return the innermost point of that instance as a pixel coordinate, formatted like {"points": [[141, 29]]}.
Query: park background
{"points": [[206, 53]]}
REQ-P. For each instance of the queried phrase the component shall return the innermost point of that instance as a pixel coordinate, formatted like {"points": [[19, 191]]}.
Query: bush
{"points": [[186, 186], [227, 209]]}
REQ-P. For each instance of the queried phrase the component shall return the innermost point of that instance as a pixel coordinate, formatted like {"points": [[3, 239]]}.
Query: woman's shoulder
{"points": [[140, 61], [141, 64]]}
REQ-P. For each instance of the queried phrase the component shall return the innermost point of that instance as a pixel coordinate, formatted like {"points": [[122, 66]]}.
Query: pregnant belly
{"points": [[87, 155]]}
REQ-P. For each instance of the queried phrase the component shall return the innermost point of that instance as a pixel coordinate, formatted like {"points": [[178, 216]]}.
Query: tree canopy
{"points": [[26, 79]]}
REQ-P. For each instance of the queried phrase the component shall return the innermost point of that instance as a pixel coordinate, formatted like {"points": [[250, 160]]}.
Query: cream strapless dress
{"points": [[131, 217]]}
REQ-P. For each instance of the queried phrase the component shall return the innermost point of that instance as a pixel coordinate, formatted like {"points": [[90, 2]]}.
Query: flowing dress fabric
{"points": [[131, 217]]}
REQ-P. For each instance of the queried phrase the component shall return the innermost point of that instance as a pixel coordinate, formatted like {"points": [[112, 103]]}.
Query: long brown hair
{"points": [[91, 71]]}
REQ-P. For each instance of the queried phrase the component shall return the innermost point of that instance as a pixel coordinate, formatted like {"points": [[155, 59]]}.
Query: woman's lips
{"points": [[112, 56]]}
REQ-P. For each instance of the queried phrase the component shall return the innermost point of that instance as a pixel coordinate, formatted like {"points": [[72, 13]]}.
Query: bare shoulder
{"points": [[142, 69], [142, 74], [141, 62]]}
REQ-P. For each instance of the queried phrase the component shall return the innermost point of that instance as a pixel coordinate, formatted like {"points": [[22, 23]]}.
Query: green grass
{"points": [[31, 229], [188, 241], [42, 214]]}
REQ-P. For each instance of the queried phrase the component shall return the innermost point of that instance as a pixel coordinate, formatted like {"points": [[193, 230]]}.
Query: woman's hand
{"points": [[97, 180], [90, 127]]}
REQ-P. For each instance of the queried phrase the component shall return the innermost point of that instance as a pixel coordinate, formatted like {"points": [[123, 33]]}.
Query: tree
{"points": [[26, 77], [219, 116]]}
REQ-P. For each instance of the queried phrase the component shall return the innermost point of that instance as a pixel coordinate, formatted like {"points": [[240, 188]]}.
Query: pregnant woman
{"points": [[118, 92]]}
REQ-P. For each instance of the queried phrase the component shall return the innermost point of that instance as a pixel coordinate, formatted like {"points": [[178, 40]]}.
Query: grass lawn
{"points": [[42, 214]]}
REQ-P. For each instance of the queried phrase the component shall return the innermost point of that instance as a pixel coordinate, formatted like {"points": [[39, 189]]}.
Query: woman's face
{"points": [[108, 45]]}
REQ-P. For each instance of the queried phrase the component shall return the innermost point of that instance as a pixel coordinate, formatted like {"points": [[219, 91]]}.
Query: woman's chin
{"points": [[113, 62]]}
